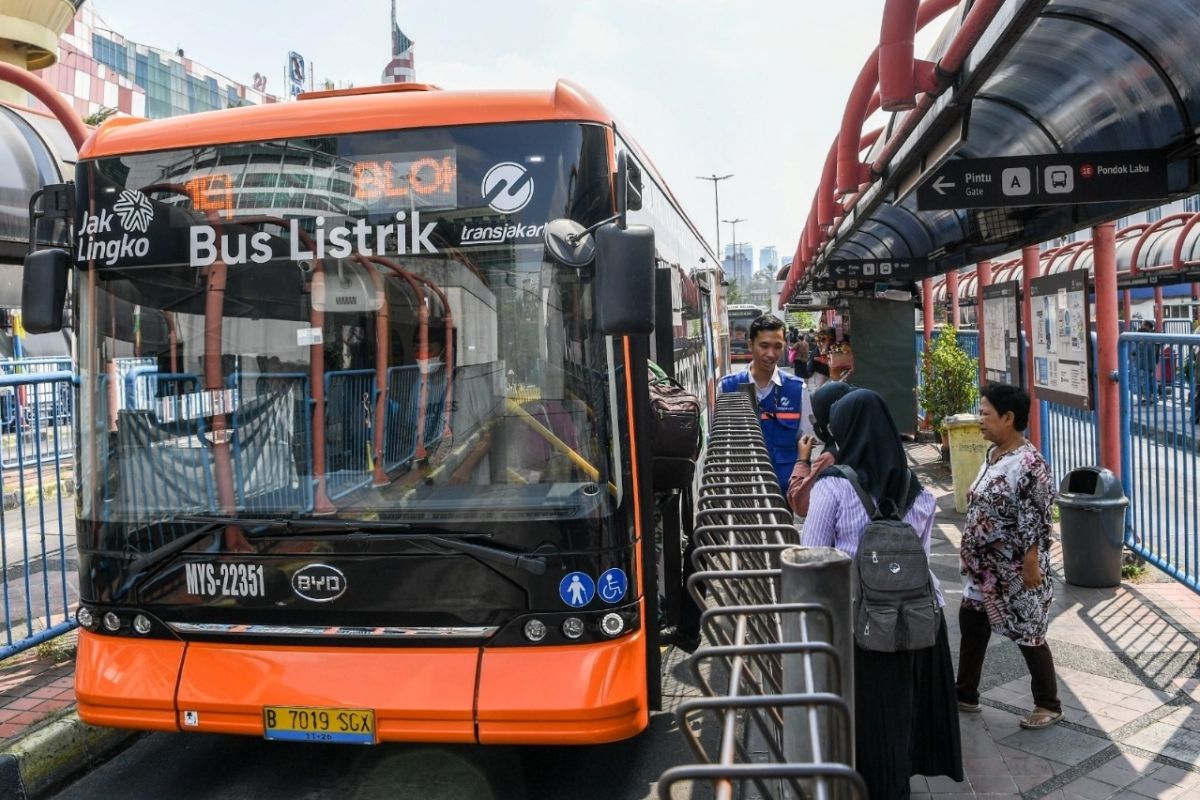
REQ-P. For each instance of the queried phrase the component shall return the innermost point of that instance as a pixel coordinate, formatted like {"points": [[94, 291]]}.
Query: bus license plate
{"points": [[335, 725]]}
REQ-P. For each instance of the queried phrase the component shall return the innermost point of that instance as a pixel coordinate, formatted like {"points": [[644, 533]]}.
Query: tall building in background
{"points": [[99, 68], [401, 68], [739, 262], [768, 258]]}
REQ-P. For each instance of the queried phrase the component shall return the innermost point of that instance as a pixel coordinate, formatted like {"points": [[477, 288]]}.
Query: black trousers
{"points": [[975, 630]]}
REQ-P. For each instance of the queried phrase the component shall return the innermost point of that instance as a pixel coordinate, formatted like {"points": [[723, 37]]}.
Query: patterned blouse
{"points": [[1009, 512], [836, 518]]}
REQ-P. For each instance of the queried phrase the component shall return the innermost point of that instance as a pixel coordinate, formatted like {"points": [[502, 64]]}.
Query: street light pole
{"points": [[715, 178]]}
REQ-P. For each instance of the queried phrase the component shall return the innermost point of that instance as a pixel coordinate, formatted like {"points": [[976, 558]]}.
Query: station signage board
{"points": [[1063, 179], [1002, 333], [1061, 338], [864, 274]]}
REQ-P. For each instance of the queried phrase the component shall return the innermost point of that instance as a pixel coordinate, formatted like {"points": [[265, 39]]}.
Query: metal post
{"points": [[1108, 397], [952, 296], [715, 178], [927, 311], [1158, 309], [1127, 301], [1030, 262], [820, 576], [983, 278]]}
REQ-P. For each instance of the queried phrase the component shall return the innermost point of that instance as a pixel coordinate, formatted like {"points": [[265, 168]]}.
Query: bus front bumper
{"points": [[584, 694]]}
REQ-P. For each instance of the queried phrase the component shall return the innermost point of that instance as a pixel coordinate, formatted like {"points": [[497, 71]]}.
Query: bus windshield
{"points": [[362, 327], [740, 317]]}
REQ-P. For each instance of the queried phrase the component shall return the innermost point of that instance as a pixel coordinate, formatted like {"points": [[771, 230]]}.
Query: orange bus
{"points": [[363, 415]]}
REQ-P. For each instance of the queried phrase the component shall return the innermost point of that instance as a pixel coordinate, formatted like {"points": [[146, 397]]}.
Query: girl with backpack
{"points": [[905, 709]]}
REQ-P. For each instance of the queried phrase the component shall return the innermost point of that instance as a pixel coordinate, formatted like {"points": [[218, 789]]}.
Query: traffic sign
{"points": [[859, 274], [1063, 179]]}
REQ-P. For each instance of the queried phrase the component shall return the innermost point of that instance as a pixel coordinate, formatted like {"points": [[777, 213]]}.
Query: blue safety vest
{"points": [[780, 417]]}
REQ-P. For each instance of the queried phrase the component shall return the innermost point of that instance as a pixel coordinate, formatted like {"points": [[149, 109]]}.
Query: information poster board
{"points": [[1002, 333], [1061, 342]]}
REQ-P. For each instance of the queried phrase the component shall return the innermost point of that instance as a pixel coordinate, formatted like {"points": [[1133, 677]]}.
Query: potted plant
{"points": [[950, 380]]}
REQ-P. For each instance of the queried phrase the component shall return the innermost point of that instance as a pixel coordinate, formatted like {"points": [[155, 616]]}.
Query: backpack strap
{"points": [[867, 501], [873, 511]]}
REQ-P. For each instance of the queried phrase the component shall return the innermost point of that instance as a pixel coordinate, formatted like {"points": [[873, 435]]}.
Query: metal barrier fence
{"points": [[37, 541], [776, 671], [1159, 459]]}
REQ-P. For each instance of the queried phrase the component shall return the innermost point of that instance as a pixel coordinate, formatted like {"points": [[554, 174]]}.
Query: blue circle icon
{"points": [[613, 585], [577, 589]]}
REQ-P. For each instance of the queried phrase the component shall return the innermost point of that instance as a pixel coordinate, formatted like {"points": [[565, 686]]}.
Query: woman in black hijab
{"points": [[906, 714], [806, 470]]}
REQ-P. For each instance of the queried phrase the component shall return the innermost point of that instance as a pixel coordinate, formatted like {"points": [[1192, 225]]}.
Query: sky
{"points": [[755, 88]]}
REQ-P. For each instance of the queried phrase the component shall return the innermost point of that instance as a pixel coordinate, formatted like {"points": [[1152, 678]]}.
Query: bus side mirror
{"points": [[629, 186], [625, 279], [44, 290]]}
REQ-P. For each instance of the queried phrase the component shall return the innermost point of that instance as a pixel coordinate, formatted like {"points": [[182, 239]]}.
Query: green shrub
{"points": [[950, 379]]}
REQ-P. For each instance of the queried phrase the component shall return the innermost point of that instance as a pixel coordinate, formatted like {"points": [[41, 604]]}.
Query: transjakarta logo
{"points": [[507, 187], [134, 211], [206, 246]]}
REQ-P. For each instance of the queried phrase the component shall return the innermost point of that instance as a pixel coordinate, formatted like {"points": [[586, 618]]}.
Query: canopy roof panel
{"points": [[1045, 77]]}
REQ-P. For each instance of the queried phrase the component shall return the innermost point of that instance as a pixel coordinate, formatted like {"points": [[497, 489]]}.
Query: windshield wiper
{"points": [[529, 562]]}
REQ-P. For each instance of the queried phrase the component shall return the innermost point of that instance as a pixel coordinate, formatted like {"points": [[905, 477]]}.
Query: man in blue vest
{"points": [[785, 411]]}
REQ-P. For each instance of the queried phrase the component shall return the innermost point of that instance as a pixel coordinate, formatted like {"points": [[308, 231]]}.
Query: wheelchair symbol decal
{"points": [[613, 585], [576, 589]]}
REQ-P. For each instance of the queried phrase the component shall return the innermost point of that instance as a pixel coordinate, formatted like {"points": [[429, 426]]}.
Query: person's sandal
{"points": [[1040, 718]]}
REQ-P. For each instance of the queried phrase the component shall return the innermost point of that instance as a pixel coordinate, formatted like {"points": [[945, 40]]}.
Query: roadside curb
{"points": [[51, 753]]}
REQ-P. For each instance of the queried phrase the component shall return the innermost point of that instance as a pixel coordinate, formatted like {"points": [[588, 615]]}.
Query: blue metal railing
{"points": [[37, 575], [1159, 457]]}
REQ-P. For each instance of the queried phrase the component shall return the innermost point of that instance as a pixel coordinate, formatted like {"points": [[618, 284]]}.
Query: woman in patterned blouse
{"points": [[1006, 556]]}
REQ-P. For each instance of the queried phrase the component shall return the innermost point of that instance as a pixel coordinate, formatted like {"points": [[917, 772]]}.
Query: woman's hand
{"points": [[1031, 570], [807, 442]]}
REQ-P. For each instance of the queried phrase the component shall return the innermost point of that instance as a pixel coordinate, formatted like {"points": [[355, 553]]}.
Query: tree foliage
{"points": [[950, 379], [95, 119]]}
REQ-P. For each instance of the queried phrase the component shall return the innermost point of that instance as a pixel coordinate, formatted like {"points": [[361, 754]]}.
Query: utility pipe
{"points": [[952, 296], [850, 171], [901, 75], [49, 96], [965, 38], [1177, 253]]}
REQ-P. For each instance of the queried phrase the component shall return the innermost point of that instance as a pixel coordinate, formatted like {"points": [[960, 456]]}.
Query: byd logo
{"points": [[319, 583], [507, 187]]}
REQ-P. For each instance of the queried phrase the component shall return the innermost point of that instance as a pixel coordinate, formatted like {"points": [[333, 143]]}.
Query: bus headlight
{"points": [[86, 618], [141, 624], [572, 627], [535, 630], [612, 624], [112, 622]]}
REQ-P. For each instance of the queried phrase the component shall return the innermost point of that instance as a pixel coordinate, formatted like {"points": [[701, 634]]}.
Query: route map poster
{"points": [[1002, 332], [1061, 338]]}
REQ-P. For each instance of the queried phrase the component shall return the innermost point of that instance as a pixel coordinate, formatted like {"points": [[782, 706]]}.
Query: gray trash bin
{"points": [[1092, 508]]}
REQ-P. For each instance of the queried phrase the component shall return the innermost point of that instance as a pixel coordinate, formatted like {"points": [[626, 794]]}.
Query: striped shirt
{"points": [[836, 518]]}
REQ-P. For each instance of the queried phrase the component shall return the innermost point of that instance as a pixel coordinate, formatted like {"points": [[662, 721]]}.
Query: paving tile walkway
{"points": [[1129, 680]]}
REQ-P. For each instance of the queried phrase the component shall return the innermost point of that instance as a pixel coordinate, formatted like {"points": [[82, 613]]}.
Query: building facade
{"points": [[99, 68]]}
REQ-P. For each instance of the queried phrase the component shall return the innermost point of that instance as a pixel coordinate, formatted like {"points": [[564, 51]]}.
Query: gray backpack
{"points": [[895, 607]]}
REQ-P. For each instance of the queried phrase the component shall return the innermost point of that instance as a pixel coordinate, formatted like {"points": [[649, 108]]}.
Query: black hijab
{"points": [[822, 404], [869, 443]]}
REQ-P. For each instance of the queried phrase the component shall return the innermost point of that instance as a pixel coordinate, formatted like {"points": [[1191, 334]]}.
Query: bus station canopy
{"points": [[1046, 77]]}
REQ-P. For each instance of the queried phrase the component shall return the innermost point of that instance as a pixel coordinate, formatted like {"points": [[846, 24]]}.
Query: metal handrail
{"points": [[776, 668]]}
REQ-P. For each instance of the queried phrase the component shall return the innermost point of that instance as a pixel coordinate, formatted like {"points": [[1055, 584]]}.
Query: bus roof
{"points": [[352, 111]]}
